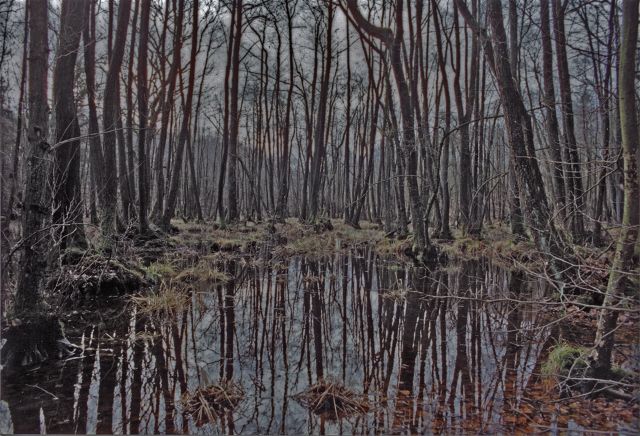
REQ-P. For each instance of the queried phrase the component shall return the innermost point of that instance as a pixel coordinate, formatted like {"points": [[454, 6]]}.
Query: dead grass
{"points": [[208, 236], [207, 404], [202, 273], [496, 243], [331, 398], [168, 299]]}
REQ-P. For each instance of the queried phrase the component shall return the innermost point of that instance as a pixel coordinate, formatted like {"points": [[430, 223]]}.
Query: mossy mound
{"points": [[95, 276]]}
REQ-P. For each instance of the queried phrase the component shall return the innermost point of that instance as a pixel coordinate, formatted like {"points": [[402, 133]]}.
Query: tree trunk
{"points": [[36, 198], [109, 123], [234, 116], [158, 166], [143, 113], [318, 158], [549, 101], [283, 189], [13, 176], [574, 173], [394, 41], [623, 262], [96, 156], [186, 121], [520, 138], [67, 199]]}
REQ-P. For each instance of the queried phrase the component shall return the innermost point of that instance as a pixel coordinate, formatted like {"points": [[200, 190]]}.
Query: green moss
{"points": [[564, 358], [618, 373], [160, 270], [203, 272]]}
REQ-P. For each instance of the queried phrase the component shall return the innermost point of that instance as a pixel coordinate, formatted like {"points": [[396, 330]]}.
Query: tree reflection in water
{"points": [[435, 351]]}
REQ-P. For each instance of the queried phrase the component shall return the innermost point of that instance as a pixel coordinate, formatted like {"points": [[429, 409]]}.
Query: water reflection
{"points": [[446, 350]]}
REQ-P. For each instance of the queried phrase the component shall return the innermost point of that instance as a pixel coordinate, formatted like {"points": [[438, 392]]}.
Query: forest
{"points": [[319, 216]]}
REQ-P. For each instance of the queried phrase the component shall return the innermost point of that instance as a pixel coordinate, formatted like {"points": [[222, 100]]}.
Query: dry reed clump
{"points": [[398, 294], [168, 299], [208, 403], [331, 398], [203, 272]]}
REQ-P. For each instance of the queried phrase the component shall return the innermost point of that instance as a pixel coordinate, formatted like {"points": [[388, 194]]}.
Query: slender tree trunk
{"points": [[186, 121], [67, 198], [549, 100], [234, 116], [13, 176], [464, 112], [283, 190], [623, 261], [36, 198], [143, 113], [158, 167], [317, 161], [130, 110], [95, 144], [574, 172], [109, 123], [444, 231]]}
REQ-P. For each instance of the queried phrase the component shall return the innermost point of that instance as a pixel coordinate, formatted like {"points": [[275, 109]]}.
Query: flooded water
{"points": [[446, 350]]}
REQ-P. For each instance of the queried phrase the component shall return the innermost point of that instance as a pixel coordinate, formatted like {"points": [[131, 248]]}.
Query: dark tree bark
{"points": [[234, 116], [186, 121], [68, 210], [444, 231], [623, 262], [36, 197], [515, 206], [109, 122], [13, 176], [549, 99], [317, 161], [96, 156], [225, 127], [283, 188], [143, 113], [130, 168], [158, 167], [574, 172]]}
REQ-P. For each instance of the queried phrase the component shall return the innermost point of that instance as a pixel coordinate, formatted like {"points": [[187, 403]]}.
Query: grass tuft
{"points": [[333, 400], [207, 404], [202, 273], [564, 358], [167, 300]]}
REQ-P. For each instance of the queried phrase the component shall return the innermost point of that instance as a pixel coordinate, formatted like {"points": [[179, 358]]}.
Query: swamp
{"points": [[319, 217]]}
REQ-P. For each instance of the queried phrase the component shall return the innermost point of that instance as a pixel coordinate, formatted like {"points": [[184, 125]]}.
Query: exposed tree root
{"points": [[34, 341]]}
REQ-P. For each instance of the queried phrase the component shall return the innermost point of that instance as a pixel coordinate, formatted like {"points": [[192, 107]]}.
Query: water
{"points": [[447, 350]]}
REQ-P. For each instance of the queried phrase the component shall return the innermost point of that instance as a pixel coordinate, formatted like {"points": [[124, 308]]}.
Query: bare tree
{"points": [[623, 261], [186, 121], [37, 202], [394, 41], [109, 122], [143, 113], [234, 115], [67, 201]]}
